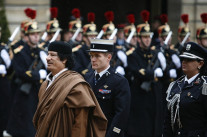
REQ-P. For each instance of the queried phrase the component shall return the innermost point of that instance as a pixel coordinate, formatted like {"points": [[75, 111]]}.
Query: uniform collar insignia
{"points": [[197, 82], [105, 86]]}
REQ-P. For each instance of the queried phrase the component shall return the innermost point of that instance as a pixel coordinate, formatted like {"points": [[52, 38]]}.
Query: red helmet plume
{"points": [[131, 18], [164, 18], [32, 14], [54, 12], [204, 17], [145, 15], [76, 13], [185, 18], [91, 17], [109, 15]]}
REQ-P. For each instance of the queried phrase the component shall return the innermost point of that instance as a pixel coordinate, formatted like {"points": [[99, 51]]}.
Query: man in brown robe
{"points": [[67, 106]]}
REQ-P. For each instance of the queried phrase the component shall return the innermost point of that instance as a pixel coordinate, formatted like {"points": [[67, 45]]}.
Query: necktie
{"points": [[97, 78]]}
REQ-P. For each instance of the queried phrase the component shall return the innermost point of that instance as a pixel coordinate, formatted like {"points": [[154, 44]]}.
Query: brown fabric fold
{"points": [[68, 108]]}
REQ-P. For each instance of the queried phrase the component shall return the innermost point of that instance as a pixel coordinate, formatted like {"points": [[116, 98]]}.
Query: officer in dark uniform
{"points": [[173, 66], [83, 59], [182, 32], [146, 106], [51, 28], [202, 33], [111, 89], [5, 95], [29, 64], [187, 96]]}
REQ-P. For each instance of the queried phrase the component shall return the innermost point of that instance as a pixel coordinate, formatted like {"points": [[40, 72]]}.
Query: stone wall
{"points": [[15, 12]]}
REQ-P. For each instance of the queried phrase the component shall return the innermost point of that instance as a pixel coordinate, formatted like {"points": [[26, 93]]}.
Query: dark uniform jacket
{"points": [[5, 94], [192, 109], [27, 82], [113, 94], [146, 113]]}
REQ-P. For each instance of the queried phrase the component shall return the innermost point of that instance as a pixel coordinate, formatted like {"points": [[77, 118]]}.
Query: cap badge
{"points": [[188, 47]]}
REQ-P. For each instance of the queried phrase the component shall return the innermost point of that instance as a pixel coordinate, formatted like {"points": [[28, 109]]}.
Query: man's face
{"points": [[162, 40], [54, 64], [33, 39], [204, 42], [145, 41], [100, 61]]}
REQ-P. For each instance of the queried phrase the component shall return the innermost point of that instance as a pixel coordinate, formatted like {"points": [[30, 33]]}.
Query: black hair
{"points": [[203, 70], [70, 60]]}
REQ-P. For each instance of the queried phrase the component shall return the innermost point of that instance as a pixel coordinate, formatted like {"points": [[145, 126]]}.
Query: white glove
{"points": [[43, 57], [43, 73], [162, 60], [176, 61], [6, 58], [2, 69], [122, 56], [120, 70], [173, 73], [158, 72]]}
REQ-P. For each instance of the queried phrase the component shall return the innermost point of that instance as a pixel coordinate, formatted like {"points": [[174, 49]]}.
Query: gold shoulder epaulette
{"points": [[76, 48], [119, 47], [41, 45], [130, 51], [13, 42], [18, 49], [172, 47], [3, 44], [153, 48]]}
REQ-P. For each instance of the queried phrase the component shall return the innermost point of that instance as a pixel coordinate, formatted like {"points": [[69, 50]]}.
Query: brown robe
{"points": [[68, 108]]}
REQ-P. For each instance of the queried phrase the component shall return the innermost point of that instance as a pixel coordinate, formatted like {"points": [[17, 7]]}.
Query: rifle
{"points": [[113, 34], [44, 36], [185, 38], [55, 35], [168, 38], [100, 34]]}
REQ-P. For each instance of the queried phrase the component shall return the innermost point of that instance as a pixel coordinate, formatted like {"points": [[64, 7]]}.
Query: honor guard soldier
{"points": [[83, 59], [120, 40], [51, 28], [109, 27], [29, 64], [146, 106], [173, 61], [111, 89], [75, 27], [187, 96], [5, 94], [203, 31], [183, 34]]}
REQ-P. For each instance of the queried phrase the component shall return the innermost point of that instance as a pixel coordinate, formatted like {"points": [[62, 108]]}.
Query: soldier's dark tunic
{"points": [[82, 64], [146, 114], [24, 103], [113, 94], [192, 110], [5, 94]]}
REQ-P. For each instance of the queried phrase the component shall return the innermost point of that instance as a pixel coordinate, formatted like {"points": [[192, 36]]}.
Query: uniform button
{"points": [[178, 133], [103, 97]]}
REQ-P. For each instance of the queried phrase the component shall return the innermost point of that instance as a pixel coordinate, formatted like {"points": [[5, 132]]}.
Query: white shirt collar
{"points": [[54, 77], [191, 79], [102, 72]]}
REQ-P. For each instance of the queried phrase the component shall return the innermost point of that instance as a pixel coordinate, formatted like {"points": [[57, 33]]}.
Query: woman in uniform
{"points": [[187, 97]]}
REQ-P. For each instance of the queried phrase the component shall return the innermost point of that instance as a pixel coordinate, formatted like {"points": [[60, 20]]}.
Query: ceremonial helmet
{"points": [[144, 29], [31, 26], [183, 30], [109, 27], [75, 24], [27, 13], [53, 25], [90, 29], [203, 30], [164, 29], [128, 29]]}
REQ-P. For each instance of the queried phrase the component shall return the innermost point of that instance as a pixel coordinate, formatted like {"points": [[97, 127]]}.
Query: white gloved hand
{"points": [[173, 73], [43, 73], [122, 56], [162, 60], [6, 58], [176, 61], [43, 57], [120, 70], [158, 72], [2, 69]]}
